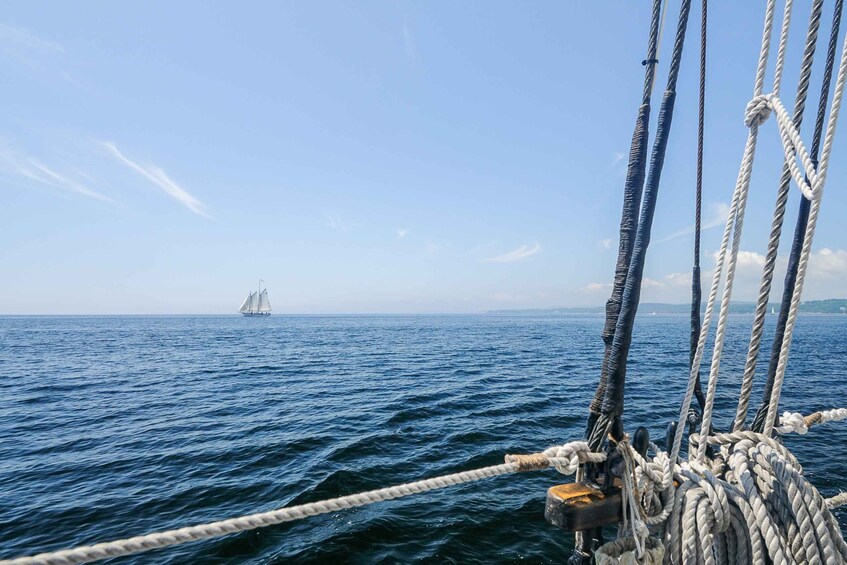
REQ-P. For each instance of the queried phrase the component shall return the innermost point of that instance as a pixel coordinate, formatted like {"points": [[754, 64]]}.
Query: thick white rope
{"points": [[738, 201], [757, 112], [837, 500], [751, 504], [564, 458], [742, 187], [823, 166], [779, 212]]}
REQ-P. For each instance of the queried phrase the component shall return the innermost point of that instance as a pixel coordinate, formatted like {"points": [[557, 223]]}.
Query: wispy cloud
{"points": [[159, 178], [32, 170], [407, 41], [48, 176], [16, 37], [518, 254], [335, 222], [719, 212], [605, 243], [402, 232]]}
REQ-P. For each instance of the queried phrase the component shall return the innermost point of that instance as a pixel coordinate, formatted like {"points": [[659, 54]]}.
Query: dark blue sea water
{"points": [[118, 426]]}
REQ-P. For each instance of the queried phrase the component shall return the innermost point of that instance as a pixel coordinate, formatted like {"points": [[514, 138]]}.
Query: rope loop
{"points": [[567, 458], [805, 172]]}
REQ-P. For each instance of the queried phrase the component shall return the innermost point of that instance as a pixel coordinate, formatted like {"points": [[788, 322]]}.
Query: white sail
{"points": [[248, 305], [264, 303]]}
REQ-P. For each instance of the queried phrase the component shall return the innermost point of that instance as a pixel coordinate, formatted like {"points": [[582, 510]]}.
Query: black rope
{"points": [[613, 400], [802, 221], [696, 290], [631, 204]]}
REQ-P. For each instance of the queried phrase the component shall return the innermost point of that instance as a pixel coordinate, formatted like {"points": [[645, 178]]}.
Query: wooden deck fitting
{"points": [[580, 506]]}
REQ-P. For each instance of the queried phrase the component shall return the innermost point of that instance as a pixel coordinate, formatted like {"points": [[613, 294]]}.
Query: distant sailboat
{"points": [[256, 303], [773, 312]]}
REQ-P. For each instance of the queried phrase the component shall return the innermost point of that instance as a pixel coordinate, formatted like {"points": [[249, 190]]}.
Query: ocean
{"points": [[119, 426]]}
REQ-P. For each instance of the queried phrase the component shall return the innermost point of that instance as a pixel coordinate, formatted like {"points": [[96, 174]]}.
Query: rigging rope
{"points": [[801, 225], [612, 405], [631, 203], [696, 290], [757, 111], [736, 217], [776, 228], [817, 182]]}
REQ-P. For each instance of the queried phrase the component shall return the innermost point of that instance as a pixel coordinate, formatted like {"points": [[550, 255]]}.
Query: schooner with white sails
{"points": [[256, 303]]}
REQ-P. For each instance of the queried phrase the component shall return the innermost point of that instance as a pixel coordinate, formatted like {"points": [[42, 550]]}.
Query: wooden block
{"points": [[579, 506]]}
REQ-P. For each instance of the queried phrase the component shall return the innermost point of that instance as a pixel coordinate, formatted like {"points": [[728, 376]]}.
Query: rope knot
{"points": [[793, 422], [758, 110], [566, 458]]}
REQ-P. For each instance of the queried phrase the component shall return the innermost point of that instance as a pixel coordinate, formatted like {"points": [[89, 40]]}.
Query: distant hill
{"points": [[828, 306]]}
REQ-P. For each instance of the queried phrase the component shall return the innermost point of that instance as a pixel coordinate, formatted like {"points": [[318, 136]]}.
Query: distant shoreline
{"points": [[828, 306]]}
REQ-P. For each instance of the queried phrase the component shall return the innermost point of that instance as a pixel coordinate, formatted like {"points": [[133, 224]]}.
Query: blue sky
{"points": [[365, 157]]}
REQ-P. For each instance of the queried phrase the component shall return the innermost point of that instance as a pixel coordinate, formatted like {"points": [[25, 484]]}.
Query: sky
{"points": [[370, 157]]}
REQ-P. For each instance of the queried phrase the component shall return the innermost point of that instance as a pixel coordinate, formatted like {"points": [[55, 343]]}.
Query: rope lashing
{"points": [[799, 424], [564, 458]]}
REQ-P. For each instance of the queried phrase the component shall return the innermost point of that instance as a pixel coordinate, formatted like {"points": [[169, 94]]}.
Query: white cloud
{"points": [[596, 287], [719, 213], [619, 155], [748, 260], [828, 263], [826, 276], [518, 254], [158, 177], [402, 232], [605, 243], [679, 279], [19, 37]]}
